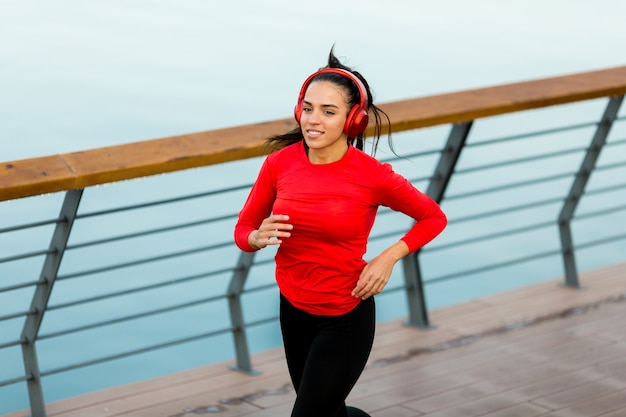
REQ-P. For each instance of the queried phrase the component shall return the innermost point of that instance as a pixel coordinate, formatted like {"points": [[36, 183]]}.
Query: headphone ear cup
{"points": [[356, 122], [297, 111]]}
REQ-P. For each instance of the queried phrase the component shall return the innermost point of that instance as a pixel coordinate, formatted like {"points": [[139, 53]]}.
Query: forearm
{"points": [[396, 251]]}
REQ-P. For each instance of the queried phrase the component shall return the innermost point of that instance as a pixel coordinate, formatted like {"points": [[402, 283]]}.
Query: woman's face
{"points": [[323, 117]]}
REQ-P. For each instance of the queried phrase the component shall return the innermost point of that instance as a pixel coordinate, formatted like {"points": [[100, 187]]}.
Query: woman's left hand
{"points": [[376, 274]]}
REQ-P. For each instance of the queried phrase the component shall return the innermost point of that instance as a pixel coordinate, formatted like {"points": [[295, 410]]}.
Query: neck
{"points": [[326, 156]]}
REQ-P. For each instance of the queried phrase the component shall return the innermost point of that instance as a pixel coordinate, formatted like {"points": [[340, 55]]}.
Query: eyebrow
{"points": [[323, 105]]}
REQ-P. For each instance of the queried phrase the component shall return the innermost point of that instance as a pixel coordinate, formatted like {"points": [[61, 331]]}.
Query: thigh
{"points": [[336, 358], [298, 334]]}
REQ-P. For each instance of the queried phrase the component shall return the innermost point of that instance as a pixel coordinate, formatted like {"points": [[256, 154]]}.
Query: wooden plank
{"points": [[170, 154], [133, 160], [492, 101], [35, 176], [562, 366], [98, 166]]}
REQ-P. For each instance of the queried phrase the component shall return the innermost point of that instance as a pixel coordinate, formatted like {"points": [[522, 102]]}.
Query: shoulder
{"points": [[288, 152], [277, 160], [382, 176], [370, 163]]}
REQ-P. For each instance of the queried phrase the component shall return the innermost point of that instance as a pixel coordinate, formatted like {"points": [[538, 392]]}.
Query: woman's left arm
{"points": [[399, 194], [377, 272]]}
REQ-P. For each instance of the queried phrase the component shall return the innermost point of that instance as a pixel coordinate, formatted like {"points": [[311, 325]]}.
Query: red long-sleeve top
{"points": [[332, 208]]}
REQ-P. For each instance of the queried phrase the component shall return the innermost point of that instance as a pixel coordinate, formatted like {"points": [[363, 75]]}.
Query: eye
{"points": [[306, 109], [329, 112]]}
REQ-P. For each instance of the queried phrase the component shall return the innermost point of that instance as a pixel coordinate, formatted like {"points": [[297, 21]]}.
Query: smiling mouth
{"points": [[314, 133]]}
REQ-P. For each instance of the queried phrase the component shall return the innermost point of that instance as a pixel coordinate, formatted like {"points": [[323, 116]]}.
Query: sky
{"points": [[78, 74]]}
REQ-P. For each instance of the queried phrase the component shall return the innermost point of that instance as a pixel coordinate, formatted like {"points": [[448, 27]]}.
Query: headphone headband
{"points": [[357, 117]]}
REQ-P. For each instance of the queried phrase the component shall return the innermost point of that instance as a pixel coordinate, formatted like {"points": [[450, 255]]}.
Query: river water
{"points": [[76, 74]]}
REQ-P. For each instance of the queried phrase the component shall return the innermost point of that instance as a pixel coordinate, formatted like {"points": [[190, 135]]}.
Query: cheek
{"points": [[339, 123]]}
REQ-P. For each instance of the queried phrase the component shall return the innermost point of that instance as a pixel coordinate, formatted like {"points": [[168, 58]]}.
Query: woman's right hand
{"points": [[271, 231]]}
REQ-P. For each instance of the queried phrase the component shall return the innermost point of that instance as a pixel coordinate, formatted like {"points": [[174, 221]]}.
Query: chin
{"points": [[311, 143]]}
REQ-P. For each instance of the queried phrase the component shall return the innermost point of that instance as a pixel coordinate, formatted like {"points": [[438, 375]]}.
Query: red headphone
{"points": [[357, 117]]}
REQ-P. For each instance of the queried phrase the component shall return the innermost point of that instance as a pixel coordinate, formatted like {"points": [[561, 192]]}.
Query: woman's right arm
{"points": [[256, 227]]}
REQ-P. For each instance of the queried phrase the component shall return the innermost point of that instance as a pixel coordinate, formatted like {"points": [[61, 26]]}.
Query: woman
{"points": [[316, 196]]}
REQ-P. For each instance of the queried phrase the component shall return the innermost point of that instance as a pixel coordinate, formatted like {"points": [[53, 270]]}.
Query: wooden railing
{"points": [[115, 163]]}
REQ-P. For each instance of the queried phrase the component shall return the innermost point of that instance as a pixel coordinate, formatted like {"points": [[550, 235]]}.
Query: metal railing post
{"points": [[578, 188], [242, 351], [418, 312], [42, 296]]}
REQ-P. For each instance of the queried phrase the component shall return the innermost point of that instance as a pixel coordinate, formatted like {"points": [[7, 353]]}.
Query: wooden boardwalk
{"points": [[543, 350]]}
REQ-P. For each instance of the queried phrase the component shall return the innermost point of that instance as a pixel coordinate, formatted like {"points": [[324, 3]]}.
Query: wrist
{"points": [[398, 250], [252, 240]]}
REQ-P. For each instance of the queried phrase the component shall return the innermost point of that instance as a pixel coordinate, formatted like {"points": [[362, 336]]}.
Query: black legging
{"points": [[325, 357]]}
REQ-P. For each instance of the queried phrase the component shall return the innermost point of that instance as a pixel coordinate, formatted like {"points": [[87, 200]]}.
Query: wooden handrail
{"points": [[68, 171]]}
